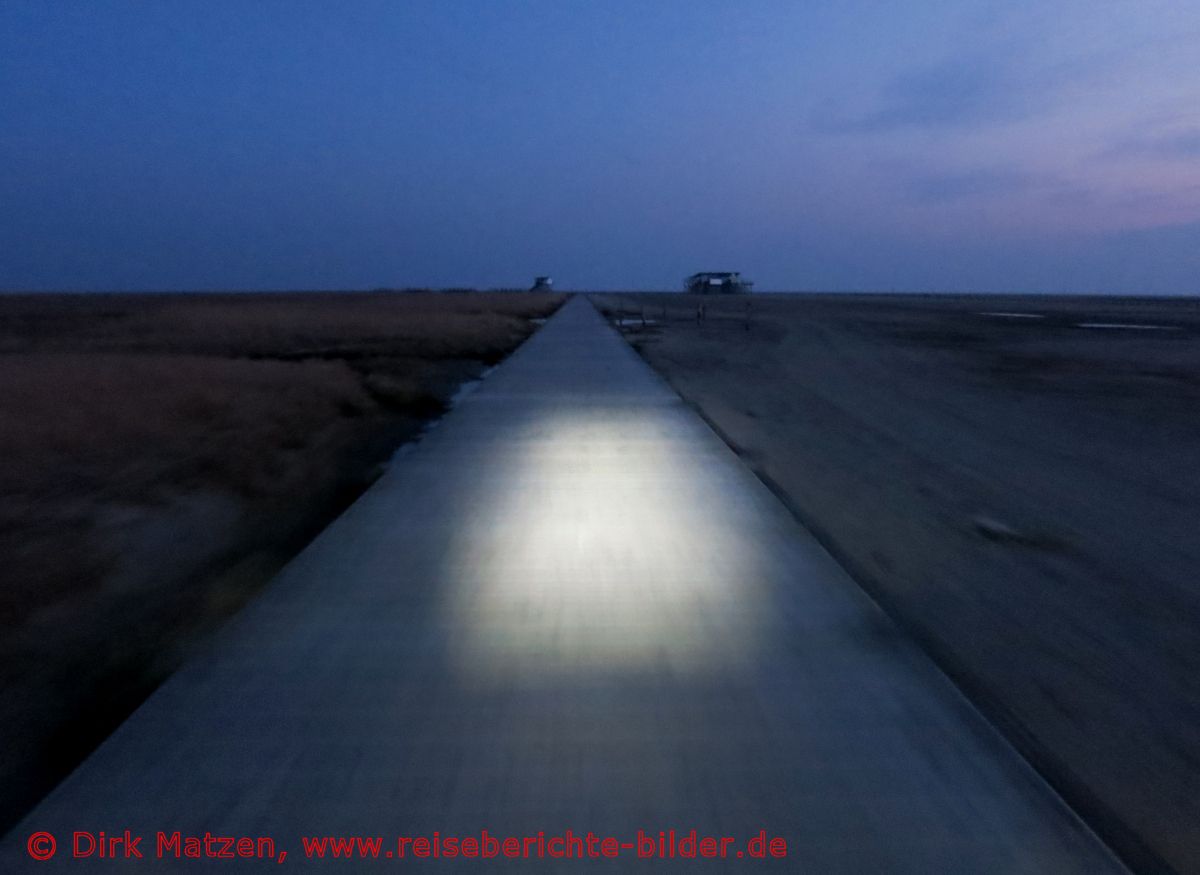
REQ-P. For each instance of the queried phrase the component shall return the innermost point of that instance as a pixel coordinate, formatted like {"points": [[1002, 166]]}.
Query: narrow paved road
{"points": [[570, 607]]}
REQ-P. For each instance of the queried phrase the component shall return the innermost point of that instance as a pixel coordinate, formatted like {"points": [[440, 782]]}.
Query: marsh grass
{"points": [[162, 455]]}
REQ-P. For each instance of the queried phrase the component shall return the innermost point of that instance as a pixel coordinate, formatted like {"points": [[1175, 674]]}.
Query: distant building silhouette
{"points": [[716, 283]]}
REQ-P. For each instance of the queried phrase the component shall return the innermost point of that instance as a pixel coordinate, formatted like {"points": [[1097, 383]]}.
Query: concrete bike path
{"points": [[569, 606]]}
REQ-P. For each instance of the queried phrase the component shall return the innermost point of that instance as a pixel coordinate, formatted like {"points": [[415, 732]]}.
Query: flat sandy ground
{"points": [[161, 456], [1022, 493]]}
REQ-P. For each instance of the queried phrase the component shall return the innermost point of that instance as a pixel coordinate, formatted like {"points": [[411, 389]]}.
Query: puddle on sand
{"points": [[1127, 325]]}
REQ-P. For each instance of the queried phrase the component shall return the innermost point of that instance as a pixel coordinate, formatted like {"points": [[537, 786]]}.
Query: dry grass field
{"points": [[162, 455], [1017, 480]]}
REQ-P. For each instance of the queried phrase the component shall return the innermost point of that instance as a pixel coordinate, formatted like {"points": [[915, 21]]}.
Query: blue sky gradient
{"points": [[991, 146]]}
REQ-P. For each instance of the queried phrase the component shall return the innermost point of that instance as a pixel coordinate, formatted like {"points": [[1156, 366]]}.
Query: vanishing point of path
{"points": [[569, 606]]}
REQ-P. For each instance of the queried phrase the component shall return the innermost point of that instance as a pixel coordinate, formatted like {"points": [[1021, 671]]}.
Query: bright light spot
{"points": [[604, 545]]}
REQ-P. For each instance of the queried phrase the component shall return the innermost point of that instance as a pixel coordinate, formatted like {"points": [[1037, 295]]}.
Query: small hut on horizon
{"points": [[716, 282]]}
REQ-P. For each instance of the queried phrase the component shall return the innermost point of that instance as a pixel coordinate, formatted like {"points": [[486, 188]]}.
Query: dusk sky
{"points": [[940, 145]]}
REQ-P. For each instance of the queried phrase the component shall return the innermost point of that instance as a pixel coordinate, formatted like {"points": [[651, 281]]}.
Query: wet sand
{"points": [[1017, 480]]}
